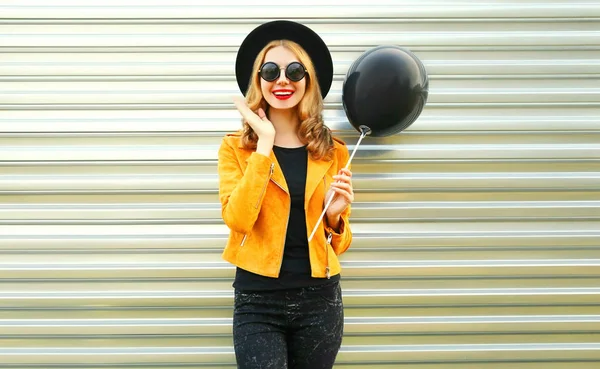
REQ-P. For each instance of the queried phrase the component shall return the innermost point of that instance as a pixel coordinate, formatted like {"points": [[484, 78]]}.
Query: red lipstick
{"points": [[283, 94]]}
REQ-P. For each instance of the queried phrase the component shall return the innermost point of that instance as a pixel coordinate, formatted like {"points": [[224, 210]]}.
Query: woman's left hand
{"points": [[344, 196]]}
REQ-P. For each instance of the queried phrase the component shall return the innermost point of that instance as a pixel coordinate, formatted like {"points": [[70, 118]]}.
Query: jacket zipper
{"points": [[265, 186], [327, 271], [261, 194]]}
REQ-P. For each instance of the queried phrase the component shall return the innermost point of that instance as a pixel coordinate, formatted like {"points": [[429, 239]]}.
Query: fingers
{"points": [[344, 174], [240, 102], [344, 187], [261, 114], [246, 112], [345, 193], [342, 178], [242, 107], [248, 115], [341, 190]]}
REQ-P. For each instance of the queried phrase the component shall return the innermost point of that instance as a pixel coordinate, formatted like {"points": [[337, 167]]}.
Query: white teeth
{"points": [[282, 93]]}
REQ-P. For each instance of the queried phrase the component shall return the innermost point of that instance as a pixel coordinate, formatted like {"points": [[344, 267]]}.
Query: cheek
{"points": [[301, 88], [265, 87]]}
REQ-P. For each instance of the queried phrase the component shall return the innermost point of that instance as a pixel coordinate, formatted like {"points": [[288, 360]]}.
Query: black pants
{"points": [[296, 329]]}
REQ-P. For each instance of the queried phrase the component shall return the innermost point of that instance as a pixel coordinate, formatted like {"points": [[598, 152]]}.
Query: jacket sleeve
{"points": [[341, 240], [241, 193]]}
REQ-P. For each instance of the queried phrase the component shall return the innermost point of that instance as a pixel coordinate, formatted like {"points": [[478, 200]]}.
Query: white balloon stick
{"points": [[365, 131]]}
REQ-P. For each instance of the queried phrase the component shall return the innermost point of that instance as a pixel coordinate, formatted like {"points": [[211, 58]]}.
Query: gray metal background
{"points": [[476, 230]]}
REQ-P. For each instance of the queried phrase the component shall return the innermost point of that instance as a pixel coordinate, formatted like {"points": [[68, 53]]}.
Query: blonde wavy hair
{"points": [[312, 131]]}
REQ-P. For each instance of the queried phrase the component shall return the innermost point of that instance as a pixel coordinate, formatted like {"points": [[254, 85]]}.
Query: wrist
{"points": [[264, 145], [334, 221]]}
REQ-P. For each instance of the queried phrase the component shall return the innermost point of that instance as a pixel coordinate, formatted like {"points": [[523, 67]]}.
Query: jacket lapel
{"points": [[314, 176], [315, 171], [278, 176]]}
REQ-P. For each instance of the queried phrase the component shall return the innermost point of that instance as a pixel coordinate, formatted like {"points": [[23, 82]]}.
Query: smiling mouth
{"points": [[283, 95]]}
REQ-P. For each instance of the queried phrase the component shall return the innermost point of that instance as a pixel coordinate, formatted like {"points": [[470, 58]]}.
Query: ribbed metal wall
{"points": [[477, 232]]}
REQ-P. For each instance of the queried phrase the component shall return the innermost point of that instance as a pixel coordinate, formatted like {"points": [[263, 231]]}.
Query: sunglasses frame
{"points": [[279, 71]]}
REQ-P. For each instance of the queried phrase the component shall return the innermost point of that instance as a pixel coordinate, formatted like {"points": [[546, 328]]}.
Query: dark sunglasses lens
{"points": [[295, 71], [269, 72]]}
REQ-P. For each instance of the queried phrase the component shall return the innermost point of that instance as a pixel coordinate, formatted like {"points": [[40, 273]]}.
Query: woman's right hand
{"points": [[261, 125]]}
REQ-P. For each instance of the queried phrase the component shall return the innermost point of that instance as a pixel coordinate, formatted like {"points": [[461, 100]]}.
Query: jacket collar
{"points": [[315, 171], [315, 175]]}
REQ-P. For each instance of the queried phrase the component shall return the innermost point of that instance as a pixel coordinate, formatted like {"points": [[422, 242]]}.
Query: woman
{"points": [[275, 176]]}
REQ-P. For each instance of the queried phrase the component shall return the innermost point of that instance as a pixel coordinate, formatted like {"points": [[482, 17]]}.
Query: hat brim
{"points": [[284, 30]]}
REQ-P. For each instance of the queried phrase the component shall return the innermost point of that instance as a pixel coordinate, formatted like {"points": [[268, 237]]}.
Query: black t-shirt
{"points": [[295, 269]]}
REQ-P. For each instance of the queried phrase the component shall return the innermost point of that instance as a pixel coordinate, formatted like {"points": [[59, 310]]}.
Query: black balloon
{"points": [[385, 90]]}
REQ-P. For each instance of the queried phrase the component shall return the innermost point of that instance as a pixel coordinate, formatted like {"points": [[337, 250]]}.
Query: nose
{"points": [[282, 80]]}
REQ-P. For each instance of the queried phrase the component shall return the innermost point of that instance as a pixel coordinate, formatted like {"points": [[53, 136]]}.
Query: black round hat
{"points": [[280, 30]]}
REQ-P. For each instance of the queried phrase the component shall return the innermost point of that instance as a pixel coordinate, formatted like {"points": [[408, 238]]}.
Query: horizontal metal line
{"points": [[20, 250], [227, 106], [323, 20], [441, 91], [222, 265], [434, 219], [211, 162], [117, 337], [426, 190], [461, 234], [129, 206], [168, 322], [233, 49], [400, 235], [161, 336], [520, 175], [466, 145], [497, 263], [476, 347], [466, 77], [226, 278], [95, 192], [509, 204], [516, 347], [356, 249], [365, 220], [525, 61], [165, 133], [229, 36], [345, 131], [399, 189], [197, 294], [111, 221], [227, 78], [61, 163], [132, 78], [362, 349], [115, 350]]}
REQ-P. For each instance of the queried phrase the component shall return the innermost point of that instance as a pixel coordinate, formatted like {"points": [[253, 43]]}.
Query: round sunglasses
{"points": [[270, 71]]}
